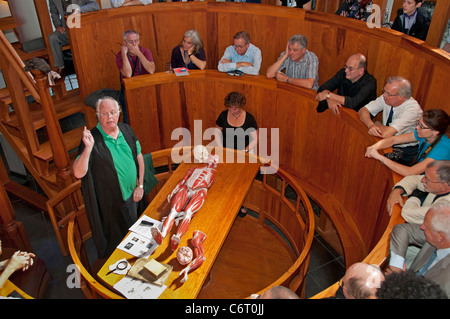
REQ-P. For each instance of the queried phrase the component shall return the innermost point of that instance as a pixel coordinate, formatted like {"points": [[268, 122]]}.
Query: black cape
{"points": [[107, 213]]}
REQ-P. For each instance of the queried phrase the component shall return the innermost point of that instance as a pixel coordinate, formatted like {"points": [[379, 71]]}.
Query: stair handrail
{"points": [[16, 62]]}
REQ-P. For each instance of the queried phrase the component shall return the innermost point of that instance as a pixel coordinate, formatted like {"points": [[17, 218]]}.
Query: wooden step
{"points": [[64, 107], [45, 155]]}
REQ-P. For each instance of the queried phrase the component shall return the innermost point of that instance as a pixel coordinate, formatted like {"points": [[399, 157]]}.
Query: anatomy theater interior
{"points": [[117, 183]]}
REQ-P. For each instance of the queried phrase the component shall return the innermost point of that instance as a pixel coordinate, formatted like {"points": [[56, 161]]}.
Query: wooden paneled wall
{"points": [[325, 151], [331, 37]]}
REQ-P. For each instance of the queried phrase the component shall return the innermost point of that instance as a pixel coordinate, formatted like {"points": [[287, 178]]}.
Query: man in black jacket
{"points": [[355, 87], [412, 19]]}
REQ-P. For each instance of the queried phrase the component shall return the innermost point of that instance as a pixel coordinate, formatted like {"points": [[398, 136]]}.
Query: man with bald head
{"points": [[360, 281], [355, 87]]}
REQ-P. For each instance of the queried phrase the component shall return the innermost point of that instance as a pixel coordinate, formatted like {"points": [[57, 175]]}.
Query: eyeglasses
{"points": [[427, 180], [107, 114], [239, 46], [349, 68], [422, 126], [387, 93]]}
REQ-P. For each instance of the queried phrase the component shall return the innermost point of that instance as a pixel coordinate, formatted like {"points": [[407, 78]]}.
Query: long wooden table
{"points": [[215, 218]]}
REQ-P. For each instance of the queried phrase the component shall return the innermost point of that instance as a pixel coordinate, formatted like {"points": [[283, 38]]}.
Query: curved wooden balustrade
{"points": [[293, 217], [331, 37], [324, 153]]}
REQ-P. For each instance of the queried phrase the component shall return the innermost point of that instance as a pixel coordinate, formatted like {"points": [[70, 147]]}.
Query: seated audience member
{"points": [[407, 285], [125, 3], [242, 56], [434, 144], [276, 292], [412, 19], [400, 114], [360, 281], [302, 66], [302, 4], [238, 127], [189, 53], [356, 9], [19, 260], [355, 87], [59, 38], [132, 60], [424, 191], [433, 238], [111, 168]]}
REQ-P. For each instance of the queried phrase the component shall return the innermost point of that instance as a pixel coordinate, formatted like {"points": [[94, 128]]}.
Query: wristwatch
{"points": [[328, 95], [141, 186]]}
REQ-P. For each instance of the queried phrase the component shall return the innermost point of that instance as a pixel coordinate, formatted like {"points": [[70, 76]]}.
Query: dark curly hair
{"points": [[408, 285], [235, 99]]}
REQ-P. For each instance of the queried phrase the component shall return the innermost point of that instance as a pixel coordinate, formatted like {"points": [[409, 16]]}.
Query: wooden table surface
{"points": [[215, 218]]}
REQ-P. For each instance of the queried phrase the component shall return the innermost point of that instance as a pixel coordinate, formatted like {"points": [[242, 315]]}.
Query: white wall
{"points": [[26, 19]]}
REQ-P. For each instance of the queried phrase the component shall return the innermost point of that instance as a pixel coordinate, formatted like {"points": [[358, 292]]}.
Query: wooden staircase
{"points": [[45, 155]]}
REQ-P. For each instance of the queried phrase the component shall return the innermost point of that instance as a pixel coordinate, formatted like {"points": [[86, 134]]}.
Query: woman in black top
{"points": [[239, 128]]}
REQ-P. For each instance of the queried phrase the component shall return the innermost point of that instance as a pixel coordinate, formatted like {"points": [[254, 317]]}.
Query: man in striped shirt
{"points": [[301, 65]]}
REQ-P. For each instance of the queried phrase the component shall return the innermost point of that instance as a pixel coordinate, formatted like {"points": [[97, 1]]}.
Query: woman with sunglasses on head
{"points": [[189, 53], [434, 145]]}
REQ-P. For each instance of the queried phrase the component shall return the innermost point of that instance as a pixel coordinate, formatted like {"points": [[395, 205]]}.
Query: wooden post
{"points": [[438, 24], [13, 232], [60, 154]]}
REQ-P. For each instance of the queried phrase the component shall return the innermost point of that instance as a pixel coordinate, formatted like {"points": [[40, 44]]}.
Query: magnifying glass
{"points": [[122, 265]]}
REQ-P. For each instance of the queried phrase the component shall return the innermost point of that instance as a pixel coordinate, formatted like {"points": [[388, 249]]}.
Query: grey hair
{"points": [[300, 39], [443, 170], [441, 219], [129, 32], [404, 87], [195, 38], [100, 101], [242, 35]]}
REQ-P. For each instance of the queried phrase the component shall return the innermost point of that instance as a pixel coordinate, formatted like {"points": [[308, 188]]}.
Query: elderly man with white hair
{"points": [[433, 236], [111, 168]]}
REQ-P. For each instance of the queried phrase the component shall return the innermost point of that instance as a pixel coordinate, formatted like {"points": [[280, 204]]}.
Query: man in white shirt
{"points": [[242, 56], [124, 3], [424, 191], [396, 98], [400, 114]]}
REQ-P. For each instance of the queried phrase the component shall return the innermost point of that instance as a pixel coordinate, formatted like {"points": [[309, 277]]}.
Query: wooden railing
{"points": [[293, 217], [323, 152], [331, 37]]}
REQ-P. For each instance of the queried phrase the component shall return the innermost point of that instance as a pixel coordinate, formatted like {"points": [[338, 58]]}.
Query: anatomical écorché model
{"points": [[186, 199], [197, 243]]}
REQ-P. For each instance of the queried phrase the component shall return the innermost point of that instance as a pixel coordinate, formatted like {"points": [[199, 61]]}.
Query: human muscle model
{"points": [[197, 243], [187, 198]]}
